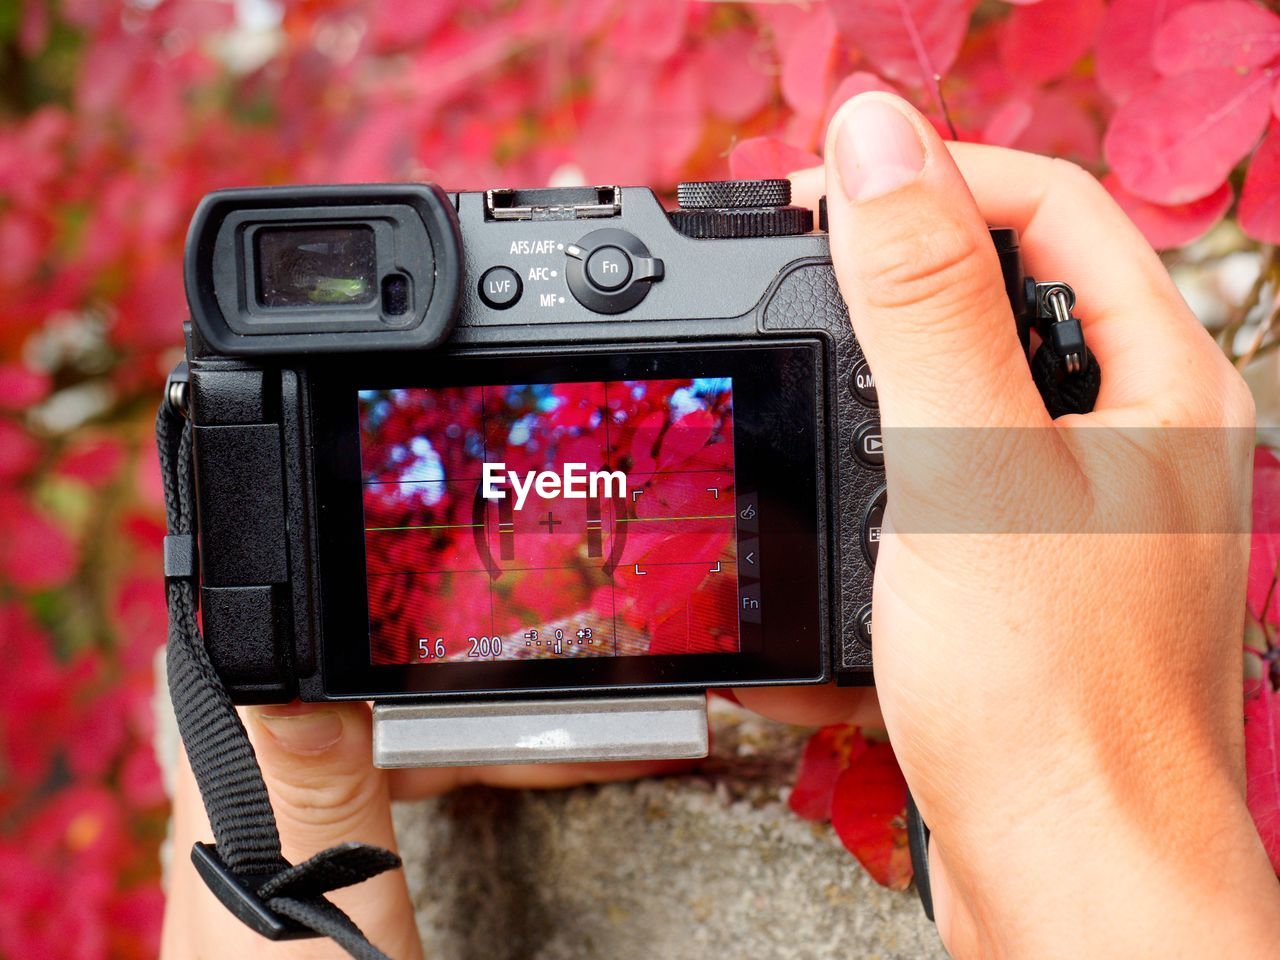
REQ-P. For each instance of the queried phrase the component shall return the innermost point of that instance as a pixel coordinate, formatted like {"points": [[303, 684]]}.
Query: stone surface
{"points": [[708, 864], [673, 868]]}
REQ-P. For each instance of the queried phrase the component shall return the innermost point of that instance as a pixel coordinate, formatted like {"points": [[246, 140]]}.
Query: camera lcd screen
{"points": [[546, 520], [315, 266], [504, 522]]}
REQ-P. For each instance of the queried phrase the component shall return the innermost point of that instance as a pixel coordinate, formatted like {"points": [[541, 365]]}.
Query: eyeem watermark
{"points": [[576, 483]]}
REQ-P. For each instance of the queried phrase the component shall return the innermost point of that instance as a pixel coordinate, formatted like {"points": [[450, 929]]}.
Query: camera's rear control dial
{"points": [[500, 287], [610, 271], [727, 209]]}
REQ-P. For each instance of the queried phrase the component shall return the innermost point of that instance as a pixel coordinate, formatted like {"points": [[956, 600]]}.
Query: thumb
{"points": [[317, 763], [918, 270]]}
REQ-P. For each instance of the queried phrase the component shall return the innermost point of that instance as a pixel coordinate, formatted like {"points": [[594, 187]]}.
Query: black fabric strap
{"points": [[246, 868]]}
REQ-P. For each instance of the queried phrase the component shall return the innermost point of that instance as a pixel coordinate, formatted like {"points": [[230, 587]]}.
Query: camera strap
{"points": [[244, 867]]}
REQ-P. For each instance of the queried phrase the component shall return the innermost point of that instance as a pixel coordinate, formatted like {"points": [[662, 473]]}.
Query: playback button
{"points": [[500, 287], [868, 443]]}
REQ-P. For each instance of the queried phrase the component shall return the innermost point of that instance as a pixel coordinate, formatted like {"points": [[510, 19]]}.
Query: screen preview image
{"points": [[540, 521]]}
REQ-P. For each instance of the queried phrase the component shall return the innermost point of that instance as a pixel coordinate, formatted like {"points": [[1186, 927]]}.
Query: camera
{"points": [[496, 459]]}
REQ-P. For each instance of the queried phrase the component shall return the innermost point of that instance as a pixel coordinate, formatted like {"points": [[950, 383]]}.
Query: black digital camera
{"points": [[532, 443]]}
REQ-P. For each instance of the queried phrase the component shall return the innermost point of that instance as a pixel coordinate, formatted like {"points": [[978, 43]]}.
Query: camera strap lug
{"points": [[1063, 367], [177, 389]]}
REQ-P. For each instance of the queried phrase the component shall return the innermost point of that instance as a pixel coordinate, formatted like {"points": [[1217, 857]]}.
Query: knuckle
{"points": [[943, 265], [1074, 178], [325, 802]]}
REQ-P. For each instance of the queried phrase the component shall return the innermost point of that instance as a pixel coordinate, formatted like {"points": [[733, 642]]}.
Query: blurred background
{"points": [[116, 117]]}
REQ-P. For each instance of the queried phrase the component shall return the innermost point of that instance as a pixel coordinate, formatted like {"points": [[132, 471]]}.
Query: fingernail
{"points": [[302, 730], [877, 149]]}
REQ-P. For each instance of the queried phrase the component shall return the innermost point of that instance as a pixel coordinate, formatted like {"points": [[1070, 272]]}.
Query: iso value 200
{"points": [[485, 647]]}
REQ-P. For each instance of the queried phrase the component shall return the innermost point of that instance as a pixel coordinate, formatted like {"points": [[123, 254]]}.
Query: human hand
{"points": [[1058, 605], [316, 760]]}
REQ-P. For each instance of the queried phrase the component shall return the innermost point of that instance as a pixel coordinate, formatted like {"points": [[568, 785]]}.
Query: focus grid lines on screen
{"points": [[557, 520]]}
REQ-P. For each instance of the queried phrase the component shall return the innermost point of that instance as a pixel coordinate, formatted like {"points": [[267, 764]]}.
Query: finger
{"points": [[317, 762], [814, 706], [808, 186], [415, 784], [193, 916], [917, 268], [1137, 325]]}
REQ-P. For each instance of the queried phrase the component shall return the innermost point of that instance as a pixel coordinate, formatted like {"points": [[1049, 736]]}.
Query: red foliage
{"points": [[857, 785], [827, 754], [1179, 139], [1262, 760], [1260, 196], [128, 112], [1171, 226], [868, 812], [1264, 554]]}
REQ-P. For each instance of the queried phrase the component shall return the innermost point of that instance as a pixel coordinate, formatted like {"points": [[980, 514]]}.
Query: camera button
{"points": [[868, 444], [749, 603], [863, 621], [609, 268], [864, 384], [500, 287], [873, 525]]}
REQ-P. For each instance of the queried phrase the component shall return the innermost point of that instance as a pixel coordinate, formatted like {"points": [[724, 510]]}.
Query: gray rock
{"points": [[660, 868]]}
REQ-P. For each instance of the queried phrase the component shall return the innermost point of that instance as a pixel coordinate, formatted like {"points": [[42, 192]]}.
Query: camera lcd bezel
{"points": [[795, 626]]}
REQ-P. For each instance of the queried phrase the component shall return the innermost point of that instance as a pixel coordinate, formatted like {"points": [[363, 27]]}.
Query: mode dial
{"points": [[726, 209], [701, 194]]}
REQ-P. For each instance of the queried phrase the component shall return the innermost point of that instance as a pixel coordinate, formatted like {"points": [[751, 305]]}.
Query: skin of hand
{"points": [[1058, 604], [317, 763]]}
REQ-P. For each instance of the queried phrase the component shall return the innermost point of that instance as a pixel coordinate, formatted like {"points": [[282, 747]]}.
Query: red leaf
{"points": [[910, 41], [868, 811], [19, 451], [1225, 33], [34, 554], [762, 158], [20, 386], [730, 75], [1260, 197], [93, 461], [828, 752], [1262, 597], [1008, 123], [1262, 763], [1171, 226], [649, 31], [1040, 43], [808, 60], [1064, 124], [860, 81], [1124, 61], [1177, 141]]}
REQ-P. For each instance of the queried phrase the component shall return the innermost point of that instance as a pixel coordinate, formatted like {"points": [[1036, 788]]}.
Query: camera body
{"points": [[544, 443]]}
